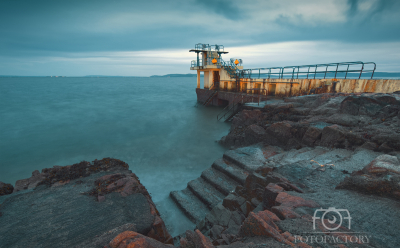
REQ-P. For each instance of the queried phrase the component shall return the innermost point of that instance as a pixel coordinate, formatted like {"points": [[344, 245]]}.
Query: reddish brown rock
{"points": [[195, 239], [159, 231], [254, 225], [272, 187], [284, 212], [269, 217], [130, 239], [286, 200], [381, 177]]}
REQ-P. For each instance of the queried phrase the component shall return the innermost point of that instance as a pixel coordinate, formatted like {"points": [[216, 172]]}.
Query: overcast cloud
{"points": [[143, 38]]}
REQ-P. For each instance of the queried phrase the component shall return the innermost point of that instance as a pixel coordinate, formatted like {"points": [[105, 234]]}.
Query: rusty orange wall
{"points": [[293, 87]]}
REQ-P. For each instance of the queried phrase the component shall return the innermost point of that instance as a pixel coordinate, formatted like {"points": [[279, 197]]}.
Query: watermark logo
{"points": [[332, 215], [332, 226]]}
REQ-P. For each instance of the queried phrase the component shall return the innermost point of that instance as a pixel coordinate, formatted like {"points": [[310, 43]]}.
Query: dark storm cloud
{"points": [[73, 26], [227, 8], [59, 28]]}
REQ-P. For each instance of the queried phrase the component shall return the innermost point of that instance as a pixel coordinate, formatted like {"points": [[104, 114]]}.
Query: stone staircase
{"points": [[215, 183]]}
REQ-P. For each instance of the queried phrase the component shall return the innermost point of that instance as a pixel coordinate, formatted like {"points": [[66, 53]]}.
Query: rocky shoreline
{"points": [[288, 161]]}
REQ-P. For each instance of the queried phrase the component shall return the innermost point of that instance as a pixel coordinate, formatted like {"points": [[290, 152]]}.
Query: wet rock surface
{"points": [[332, 120], [276, 202], [83, 205]]}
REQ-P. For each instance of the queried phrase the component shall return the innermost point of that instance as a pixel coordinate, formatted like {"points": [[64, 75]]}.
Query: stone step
{"points": [[231, 170], [219, 180], [205, 192], [193, 208], [247, 158]]}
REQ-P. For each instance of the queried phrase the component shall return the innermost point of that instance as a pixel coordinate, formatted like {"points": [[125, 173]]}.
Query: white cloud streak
{"points": [[160, 62]]}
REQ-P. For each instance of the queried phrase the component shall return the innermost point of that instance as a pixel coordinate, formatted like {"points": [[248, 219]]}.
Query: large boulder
{"points": [[278, 133], [333, 136], [380, 177], [355, 105], [311, 136], [254, 134], [87, 211]]}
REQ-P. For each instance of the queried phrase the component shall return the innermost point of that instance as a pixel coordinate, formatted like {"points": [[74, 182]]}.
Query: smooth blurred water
{"points": [[150, 123]]}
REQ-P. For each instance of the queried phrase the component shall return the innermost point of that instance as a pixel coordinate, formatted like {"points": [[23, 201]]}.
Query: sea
{"points": [[152, 123]]}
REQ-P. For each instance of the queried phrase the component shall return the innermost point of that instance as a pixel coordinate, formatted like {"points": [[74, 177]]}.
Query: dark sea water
{"points": [[150, 123]]}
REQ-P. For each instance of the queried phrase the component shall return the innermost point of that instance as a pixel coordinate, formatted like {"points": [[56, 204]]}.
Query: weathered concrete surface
{"points": [[75, 207]]}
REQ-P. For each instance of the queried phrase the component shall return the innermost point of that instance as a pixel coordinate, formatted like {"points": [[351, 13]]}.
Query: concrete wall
{"points": [[293, 87]]}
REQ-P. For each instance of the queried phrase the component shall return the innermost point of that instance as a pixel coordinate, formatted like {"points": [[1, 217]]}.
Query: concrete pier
{"points": [[229, 79]]}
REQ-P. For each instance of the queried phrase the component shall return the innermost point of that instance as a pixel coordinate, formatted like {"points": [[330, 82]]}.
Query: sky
{"points": [[153, 37]]}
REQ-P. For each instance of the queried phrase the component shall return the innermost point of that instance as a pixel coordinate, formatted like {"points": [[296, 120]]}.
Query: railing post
{"points": [[337, 67], [315, 73], [362, 68]]}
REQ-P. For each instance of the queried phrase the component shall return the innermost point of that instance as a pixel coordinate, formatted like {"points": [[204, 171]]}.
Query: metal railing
{"points": [[195, 64], [331, 70], [207, 47]]}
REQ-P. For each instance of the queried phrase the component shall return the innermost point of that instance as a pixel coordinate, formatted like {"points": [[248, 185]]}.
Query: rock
{"points": [[287, 200], [130, 239], [118, 202], [29, 183], [385, 148], [369, 145], [219, 215], [270, 194], [284, 212], [62, 174], [6, 188], [254, 186], [278, 133], [195, 239], [381, 177], [254, 225], [159, 231], [233, 202], [333, 136], [354, 105], [312, 134], [254, 134], [382, 164], [215, 232]]}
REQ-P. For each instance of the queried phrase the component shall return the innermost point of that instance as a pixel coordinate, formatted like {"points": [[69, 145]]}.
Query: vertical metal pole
{"points": [[347, 71], [308, 71], [337, 67], [326, 71], [315, 73], [362, 68], [198, 61], [259, 70], [293, 72]]}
